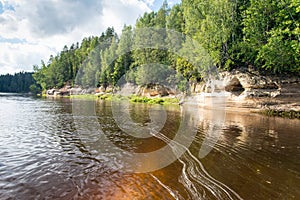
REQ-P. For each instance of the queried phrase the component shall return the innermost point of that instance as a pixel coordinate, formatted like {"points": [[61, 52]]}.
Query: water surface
{"points": [[46, 154]]}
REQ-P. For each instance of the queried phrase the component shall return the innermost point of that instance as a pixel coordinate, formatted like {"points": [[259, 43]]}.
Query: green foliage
{"points": [[187, 69], [210, 23], [106, 97], [156, 100], [84, 96], [80, 64], [108, 59], [35, 89], [154, 74], [124, 54], [271, 29], [226, 34], [17, 83], [282, 113]]}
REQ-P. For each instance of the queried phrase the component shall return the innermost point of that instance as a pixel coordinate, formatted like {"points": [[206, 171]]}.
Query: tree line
{"points": [[17, 83], [261, 34]]}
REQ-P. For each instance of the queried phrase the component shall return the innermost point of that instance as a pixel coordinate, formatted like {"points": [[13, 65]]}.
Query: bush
{"points": [[156, 100]]}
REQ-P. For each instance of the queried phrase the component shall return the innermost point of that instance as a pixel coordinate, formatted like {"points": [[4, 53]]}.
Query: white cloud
{"points": [[149, 2], [173, 2], [21, 56], [47, 25], [118, 12]]}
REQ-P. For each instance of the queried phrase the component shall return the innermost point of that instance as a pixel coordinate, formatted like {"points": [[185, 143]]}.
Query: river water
{"points": [[50, 149]]}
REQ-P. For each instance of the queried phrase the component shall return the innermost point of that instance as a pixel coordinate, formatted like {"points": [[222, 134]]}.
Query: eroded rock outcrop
{"points": [[251, 85], [252, 90], [150, 90], [76, 91], [155, 90], [255, 85]]}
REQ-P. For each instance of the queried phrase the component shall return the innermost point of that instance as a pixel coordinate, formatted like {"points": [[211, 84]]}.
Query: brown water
{"points": [[47, 153]]}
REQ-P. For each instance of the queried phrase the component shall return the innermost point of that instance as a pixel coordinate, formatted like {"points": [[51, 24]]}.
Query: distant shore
{"points": [[281, 107], [243, 90]]}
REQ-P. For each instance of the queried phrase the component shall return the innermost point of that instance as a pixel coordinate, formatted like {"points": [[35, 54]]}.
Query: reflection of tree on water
{"points": [[232, 134], [122, 147]]}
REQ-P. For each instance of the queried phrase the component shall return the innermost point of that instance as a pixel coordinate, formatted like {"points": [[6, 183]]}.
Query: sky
{"points": [[32, 30]]}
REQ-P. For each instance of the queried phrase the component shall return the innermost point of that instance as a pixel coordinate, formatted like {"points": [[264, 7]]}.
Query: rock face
{"points": [[65, 91], [245, 89], [80, 91], [75, 91], [151, 90], [263, 86], [251, 85], [234, 85], [128, 89], [155, 90], [51, 92]]}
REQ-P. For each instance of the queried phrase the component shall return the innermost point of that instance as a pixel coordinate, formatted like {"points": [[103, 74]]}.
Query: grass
{"points": [[133, 98], [282, 113], [108, 97], [83, 96], [41, 95], [155, 100]]}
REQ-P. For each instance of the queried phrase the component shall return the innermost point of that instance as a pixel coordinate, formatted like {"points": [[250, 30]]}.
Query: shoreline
{"points": [[272, 107], [241, 90]]}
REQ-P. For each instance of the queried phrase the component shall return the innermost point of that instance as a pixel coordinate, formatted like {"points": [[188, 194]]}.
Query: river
{"points": [[49, 149]]}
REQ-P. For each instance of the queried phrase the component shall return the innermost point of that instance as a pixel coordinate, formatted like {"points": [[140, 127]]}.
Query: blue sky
{"points": [[157, 3], [32, 30], [5, 6], [1, 8]]}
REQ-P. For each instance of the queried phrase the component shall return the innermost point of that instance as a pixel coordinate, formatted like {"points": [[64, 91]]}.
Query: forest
{"points": [[262, 35], [21, 82]]}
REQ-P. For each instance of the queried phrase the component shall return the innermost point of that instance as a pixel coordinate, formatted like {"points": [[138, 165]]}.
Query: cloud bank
{"points": [[31, 30]]}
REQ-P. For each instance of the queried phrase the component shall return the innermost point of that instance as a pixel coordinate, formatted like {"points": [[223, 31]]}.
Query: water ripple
{"points": [[43, 157]]}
